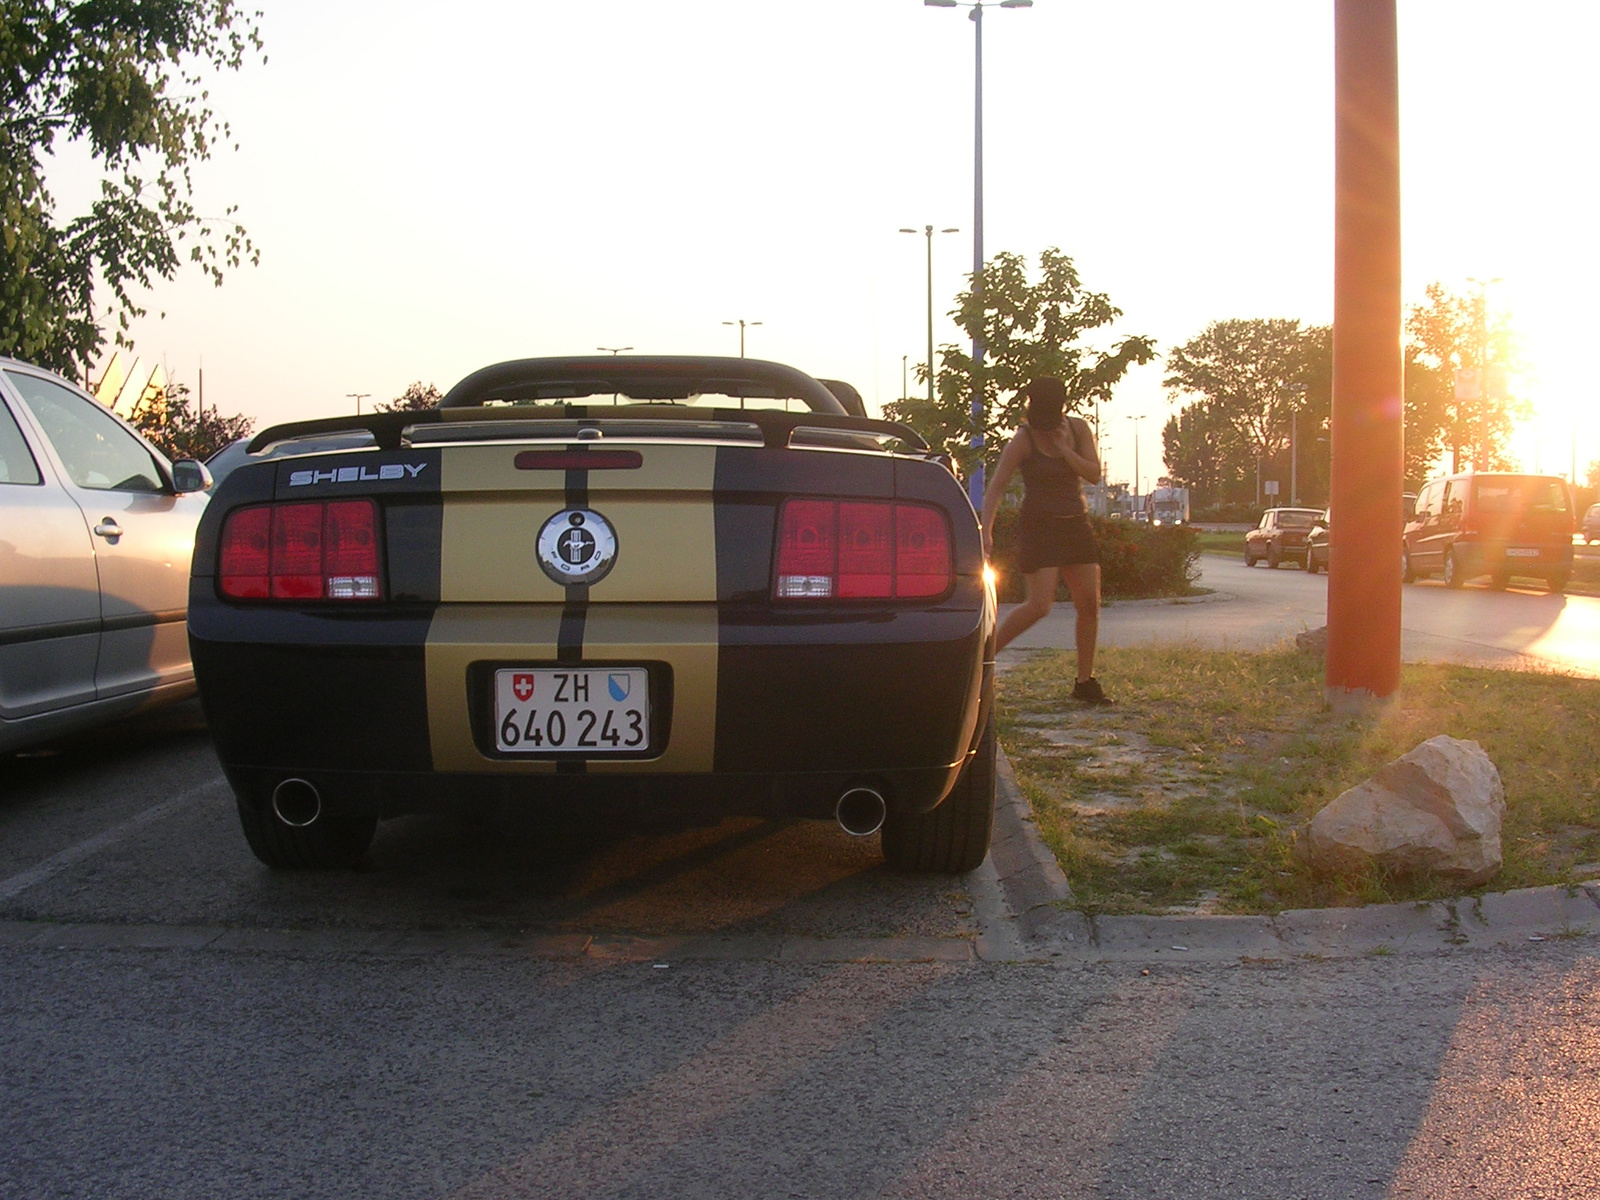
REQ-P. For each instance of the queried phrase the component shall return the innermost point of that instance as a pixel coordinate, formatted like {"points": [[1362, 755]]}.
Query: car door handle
{"points": [[108, 529]]}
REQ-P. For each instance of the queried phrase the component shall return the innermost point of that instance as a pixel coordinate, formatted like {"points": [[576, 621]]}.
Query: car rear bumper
{"points": [[1491, 558], [767, 712]]}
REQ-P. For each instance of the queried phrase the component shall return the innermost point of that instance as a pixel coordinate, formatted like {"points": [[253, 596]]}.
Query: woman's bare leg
{"points": [[1083, 581], [1039, 595]]}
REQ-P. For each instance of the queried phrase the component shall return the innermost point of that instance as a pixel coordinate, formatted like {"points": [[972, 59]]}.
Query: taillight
{"points": [[806, 557], [246, 558], [861, 550], [302, 551]]}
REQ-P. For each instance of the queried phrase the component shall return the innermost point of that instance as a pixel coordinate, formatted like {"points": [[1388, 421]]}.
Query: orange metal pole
{"points": [[1363, 664]]}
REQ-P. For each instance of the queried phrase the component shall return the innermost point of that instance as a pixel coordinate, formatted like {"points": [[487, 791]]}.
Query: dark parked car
{"points": [[1591, 525], [1280, 536], [1493, 524], [690, 603], [1317, 544]]}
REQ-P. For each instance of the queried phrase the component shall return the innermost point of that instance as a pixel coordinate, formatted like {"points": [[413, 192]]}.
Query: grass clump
{"points": [[1192, 792]]}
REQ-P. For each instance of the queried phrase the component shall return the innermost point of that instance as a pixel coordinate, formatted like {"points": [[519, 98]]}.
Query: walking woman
{"points": [[1055, 454]]}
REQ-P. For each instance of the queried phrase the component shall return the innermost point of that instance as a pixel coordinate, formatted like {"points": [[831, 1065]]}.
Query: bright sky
{"points": [[434, 190]]}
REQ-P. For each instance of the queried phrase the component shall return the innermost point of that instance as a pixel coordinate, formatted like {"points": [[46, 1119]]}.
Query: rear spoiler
{"points": [[777, 428]]}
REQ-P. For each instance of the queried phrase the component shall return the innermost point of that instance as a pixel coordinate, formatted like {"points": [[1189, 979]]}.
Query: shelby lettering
{"points": [[355, 474]]}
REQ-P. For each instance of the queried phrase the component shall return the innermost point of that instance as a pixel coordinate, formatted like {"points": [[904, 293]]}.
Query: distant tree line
{"points": [[1254, 386]]}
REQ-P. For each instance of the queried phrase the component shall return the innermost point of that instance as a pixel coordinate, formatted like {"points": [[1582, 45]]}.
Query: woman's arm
{"points": [[1082, 455], [1010, 458]]}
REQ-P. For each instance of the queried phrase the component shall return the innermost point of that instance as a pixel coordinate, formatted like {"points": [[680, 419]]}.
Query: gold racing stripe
{"points": [[460, 635], [662, 513], [683, 635], [657, 604]]}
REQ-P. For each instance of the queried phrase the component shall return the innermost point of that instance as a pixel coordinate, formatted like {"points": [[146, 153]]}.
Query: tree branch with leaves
{"points": [[125, 80], [1031, 325]]}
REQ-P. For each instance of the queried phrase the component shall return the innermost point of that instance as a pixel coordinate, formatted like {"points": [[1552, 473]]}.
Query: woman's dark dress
{"points": [[1054, 529]]}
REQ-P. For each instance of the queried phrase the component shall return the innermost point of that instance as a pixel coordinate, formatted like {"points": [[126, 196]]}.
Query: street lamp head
{"points": [[940, 3], [1016, 3], [903, 230], [949, 231]]}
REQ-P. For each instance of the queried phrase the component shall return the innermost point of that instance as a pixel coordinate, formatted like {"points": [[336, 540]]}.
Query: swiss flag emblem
{"points": [[522, 687]]}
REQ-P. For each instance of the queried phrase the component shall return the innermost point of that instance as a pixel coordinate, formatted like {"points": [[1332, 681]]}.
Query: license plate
{"points": [[593, 711], [1522, 552]]}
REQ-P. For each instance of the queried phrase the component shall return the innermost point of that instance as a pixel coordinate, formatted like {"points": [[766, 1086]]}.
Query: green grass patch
{"points": [[1215, 542], [1193, 790]]}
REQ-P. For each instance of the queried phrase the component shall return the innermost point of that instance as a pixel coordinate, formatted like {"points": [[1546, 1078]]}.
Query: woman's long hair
{"points": [[1047, 396]]}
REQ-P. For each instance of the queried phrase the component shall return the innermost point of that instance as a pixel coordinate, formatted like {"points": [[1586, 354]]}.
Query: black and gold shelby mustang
{"points": [[654, 589]]}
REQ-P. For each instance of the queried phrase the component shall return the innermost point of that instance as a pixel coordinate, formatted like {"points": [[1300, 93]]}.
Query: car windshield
{"points": [[1513, 494], [1297, 518]]}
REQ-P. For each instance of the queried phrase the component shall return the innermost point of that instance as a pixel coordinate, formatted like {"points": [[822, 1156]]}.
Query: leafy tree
{"points": [[1427, 400], [125, 80], [1450, 333], [1258, 385], [1203, 451], [1029, 328], [417, 397], [180, 431]]}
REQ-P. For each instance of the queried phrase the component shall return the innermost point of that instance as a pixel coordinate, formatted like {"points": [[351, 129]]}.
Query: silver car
{"points": [[1591, 525], [96, 532]]}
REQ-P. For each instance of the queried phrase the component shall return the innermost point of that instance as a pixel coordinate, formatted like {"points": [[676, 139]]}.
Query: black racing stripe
{"points": [[578, 483], [569, 640]]}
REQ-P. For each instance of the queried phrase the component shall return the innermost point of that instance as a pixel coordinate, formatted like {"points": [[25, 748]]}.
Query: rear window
{"points": [[1290, 519], [1511, 494]]}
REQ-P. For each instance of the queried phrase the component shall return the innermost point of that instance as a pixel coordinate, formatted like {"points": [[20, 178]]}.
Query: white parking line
{"points": [[16, 884]]}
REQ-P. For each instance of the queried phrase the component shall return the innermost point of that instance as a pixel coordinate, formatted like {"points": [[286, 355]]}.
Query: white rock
{"points": [[1437, 808]]}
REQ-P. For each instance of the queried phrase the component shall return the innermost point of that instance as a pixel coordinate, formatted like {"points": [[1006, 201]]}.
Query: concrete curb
{"points": [[1213, 597], [1031, 881], [1039, 897]]}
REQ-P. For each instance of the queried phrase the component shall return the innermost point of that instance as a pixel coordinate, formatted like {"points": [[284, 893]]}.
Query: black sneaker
{"points": [[1088, 691]]}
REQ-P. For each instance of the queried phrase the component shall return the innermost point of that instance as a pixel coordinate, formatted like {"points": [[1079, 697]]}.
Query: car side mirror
{"points": [[190, 475]]}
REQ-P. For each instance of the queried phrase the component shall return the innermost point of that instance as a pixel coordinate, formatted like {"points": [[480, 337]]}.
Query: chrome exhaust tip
{"points": [[860, 811], [297, 803]]}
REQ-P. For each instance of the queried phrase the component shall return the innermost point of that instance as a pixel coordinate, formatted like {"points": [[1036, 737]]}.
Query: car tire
{"points": [[1407, 575], [954, 838], [1500, 580], [328, 842], [1273, 558], [1453, 578], [1312, 566], [1249, 559], [1558, 583]]}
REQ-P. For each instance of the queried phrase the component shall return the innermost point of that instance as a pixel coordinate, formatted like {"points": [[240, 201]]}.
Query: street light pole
{"points": [[1297, 392], [741, 323], [927, 231], [1136, 421], [975, 484], [358, 397]]}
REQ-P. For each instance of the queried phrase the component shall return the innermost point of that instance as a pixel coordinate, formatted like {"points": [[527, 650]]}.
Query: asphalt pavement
{"points": [[1254, 608], [491, 1007]]}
